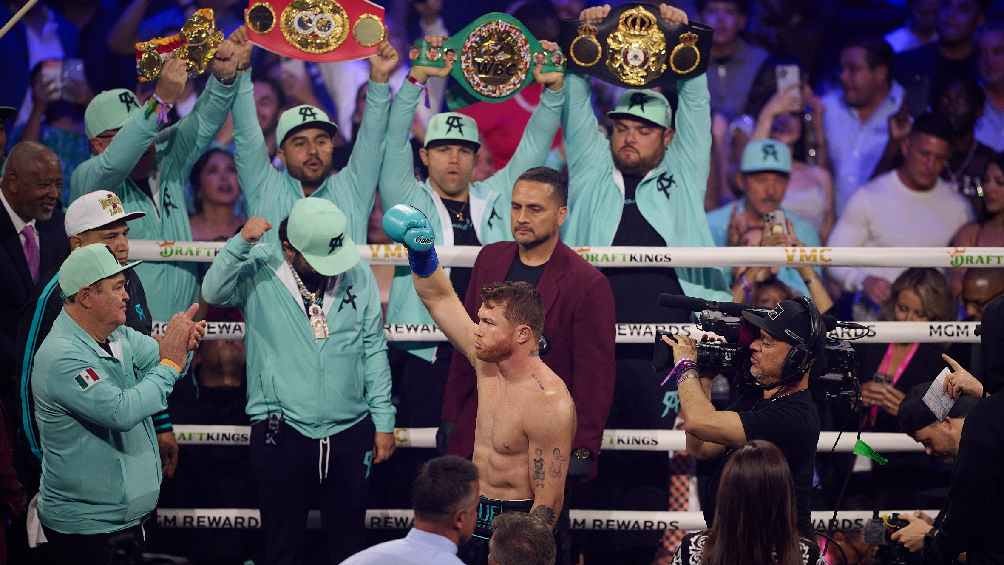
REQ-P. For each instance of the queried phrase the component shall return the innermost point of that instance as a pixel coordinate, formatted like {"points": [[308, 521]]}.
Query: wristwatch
{"points": [[582, 454]]}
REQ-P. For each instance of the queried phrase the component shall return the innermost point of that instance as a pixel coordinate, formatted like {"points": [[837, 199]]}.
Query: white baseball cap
{"points": [[94, 210]]}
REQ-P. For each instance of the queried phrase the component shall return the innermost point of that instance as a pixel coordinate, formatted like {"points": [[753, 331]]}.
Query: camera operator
{"points": [[778, 407], [967, 524]]}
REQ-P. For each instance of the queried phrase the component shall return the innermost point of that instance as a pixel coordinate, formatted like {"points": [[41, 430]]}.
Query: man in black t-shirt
{"points": [[778, 408]]}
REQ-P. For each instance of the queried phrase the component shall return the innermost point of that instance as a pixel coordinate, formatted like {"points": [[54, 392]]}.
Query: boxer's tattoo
{"points": [[537, 381], [557, 463], [545, 514], [538, 468]]}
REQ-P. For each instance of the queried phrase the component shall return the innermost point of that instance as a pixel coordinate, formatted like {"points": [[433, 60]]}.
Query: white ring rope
{"points": [[613, 440], [463, 256], [597, 520], [874, 332]]}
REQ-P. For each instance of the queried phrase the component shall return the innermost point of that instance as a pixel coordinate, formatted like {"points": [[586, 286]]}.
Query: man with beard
{"points": [[644, 186], [462, 212], [304, 144], [318, 382], [148, 168], [578, 318], [526, 417]]}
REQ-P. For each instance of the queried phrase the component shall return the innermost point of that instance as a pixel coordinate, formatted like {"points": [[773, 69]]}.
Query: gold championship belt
{"points": [[196, 43], [633, 47], [316, 30], [494, 59]]}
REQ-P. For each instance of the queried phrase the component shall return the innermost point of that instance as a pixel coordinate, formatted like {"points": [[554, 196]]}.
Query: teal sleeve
{"points": [[587, 149], [361, 174], [689, 154], [103, 402], [193, 134], [227, 277], [376, 366], [113, 166], [398, 184], [533, 148], [254, 169]]}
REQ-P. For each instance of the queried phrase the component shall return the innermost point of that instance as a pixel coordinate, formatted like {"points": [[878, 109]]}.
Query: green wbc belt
{"points": [[494, 57], [633, 47]]}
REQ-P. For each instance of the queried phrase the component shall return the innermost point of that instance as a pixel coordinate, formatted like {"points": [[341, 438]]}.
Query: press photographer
{"points": [[777, 405]]}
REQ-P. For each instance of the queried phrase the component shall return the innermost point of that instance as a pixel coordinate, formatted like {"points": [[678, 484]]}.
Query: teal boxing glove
{"points": [[407, 225]]}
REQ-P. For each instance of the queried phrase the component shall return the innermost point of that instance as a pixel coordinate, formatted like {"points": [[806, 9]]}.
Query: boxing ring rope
{"points": [[873, 332], [613, 440], [588, 520], [464, 256]]}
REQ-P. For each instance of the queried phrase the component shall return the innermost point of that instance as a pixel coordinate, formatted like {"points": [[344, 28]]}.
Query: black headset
{"points": [[803, 353]]}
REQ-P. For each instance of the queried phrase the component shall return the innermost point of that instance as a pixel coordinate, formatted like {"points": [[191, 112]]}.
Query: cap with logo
{"points": [[94, 210], [87, 265], [300, 117], [789, 321], [319, 231], [452, 127], [766, 155], [109, 110], [647, 105]]}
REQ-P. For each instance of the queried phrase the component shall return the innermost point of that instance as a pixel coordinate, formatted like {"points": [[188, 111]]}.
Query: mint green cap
{"points": [[87, 265], [303, 116], [319, 231], [646, 105], [452, 126], [769, 155], [109, 110]]}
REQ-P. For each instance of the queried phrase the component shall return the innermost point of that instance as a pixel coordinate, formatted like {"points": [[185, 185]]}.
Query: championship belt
{"points": [[495, 56], [634, 48], [196, 43], [316, 30]]}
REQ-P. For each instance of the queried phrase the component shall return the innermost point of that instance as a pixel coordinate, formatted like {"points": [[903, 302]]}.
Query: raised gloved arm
{"points": [[409, 226]]}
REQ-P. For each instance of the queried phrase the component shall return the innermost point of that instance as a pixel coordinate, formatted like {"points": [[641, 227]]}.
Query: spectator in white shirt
{"points": [[919, 29], [445, 500], [856, 116], [908, 207]]}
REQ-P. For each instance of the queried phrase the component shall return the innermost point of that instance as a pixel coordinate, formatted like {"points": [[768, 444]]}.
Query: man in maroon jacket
{"points": [[578, 324]]}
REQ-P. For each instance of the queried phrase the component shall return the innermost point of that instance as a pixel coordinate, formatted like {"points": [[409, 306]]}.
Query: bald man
{"points": [[979, 286], [32, 241]]}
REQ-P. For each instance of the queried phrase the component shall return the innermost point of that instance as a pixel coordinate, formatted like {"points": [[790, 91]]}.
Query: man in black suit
{"points": [[32, 241]]}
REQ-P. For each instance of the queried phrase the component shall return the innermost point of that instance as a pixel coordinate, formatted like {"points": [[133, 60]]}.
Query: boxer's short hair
{"points": [[521, 300]]}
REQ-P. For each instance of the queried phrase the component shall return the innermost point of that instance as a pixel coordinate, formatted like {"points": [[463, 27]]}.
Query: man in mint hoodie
{"points": [[96, 382], [148, 165], [304, 137], [318, 380], [642, 186]]}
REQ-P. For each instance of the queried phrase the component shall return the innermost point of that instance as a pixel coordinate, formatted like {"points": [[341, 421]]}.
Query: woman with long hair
{"points": [[989, 231], [793, 117], [754, 515], [216, 194]]}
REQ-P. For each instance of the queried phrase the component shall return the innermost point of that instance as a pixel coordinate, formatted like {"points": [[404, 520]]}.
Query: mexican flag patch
{"points": [[87, 378]]}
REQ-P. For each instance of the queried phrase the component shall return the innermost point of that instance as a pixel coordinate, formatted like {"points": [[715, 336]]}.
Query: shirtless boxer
{"points": [[526, 417]]}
